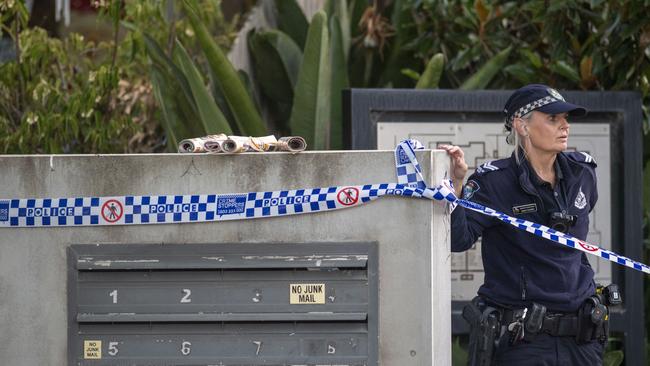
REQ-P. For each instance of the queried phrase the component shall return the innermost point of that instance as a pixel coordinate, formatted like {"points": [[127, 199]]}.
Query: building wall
{"points": [[412, 234]]}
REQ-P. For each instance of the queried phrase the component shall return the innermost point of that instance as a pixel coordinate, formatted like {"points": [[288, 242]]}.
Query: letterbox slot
{"points": [[219, 317], [150, 257]]}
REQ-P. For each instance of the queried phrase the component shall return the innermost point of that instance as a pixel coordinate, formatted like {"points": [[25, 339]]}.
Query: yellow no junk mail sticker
{"points": [[92, 350], [307, 293]]}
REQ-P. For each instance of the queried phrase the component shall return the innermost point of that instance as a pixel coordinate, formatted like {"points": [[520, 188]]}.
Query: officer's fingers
{"points": [[445, 147], [455, 150], [450, 150], [457, 153], [448, 147]]}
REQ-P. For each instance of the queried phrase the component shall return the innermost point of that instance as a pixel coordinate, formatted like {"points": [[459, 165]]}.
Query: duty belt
{"points": [[555, 324], [589, 323]]}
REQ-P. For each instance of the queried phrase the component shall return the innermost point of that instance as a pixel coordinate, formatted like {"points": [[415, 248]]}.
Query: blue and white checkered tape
{"points": [[169, 209], [129, 210], [409, 172]]}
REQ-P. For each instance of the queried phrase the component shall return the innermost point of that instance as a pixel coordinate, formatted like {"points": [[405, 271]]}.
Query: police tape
{"points": [[176, 209], [556, 236], [445, 191]]}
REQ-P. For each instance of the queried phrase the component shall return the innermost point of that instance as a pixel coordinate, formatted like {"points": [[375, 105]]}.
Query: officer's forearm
{"points": [[458, 187]]}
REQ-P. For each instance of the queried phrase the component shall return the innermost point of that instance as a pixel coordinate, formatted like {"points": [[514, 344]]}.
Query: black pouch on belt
{"points": [[534, 321], [591, 316]]}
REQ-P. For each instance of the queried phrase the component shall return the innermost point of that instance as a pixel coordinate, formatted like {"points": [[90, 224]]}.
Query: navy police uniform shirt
{"points": [[521, 268]]}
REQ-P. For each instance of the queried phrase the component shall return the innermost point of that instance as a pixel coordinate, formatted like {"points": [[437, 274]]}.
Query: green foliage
{"points": [[247, 117], [303, 96], [55, 98], [73, 95], [339, 9], [180, 55], [276, 60], [212, 119], [399, 57], [164, 22], [311, 104], [613, 358], [172, 122], [292, 21], [458, 352], [177, 108], [431, 76], [493, 45], [302, 80], [339, 81], [481, 78]]}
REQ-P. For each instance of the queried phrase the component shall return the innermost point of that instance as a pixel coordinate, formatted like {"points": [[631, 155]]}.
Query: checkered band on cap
{"points": [[529, 108]]}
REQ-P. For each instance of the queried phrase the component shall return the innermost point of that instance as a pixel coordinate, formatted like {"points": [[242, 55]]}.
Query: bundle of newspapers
{"points": [[222, 143]]}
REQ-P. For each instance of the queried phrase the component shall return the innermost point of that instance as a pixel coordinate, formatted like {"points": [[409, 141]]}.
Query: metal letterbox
{"points": [[223, 304]]}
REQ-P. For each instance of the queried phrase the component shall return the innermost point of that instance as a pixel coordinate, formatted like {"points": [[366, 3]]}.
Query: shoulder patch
{"points": [[470, 188], [581, 157]]}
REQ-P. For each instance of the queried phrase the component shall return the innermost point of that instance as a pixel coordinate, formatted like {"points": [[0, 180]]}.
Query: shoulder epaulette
{"points": [[581, 157], [492, 166]]}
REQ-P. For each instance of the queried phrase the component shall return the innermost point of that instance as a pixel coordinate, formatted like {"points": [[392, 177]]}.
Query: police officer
{"points": [[542, 183]]}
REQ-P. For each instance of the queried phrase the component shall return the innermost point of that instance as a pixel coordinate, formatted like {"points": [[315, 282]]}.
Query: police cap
{"points": [[538, 97]]}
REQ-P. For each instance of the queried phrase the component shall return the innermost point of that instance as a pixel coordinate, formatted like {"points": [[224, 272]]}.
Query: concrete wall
{"points": [[412, 235]]}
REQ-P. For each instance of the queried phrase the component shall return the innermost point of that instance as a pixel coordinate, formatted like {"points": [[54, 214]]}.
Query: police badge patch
{"points": [[555, 94], [581, 200], [470, 188]]}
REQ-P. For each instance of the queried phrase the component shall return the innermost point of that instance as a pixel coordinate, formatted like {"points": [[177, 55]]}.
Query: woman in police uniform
{"points": [[541, 183]]}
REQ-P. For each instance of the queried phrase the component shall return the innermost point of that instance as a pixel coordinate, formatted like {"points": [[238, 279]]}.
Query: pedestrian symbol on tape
{"points": [[112, 210], [588, 247], [348, 196]]}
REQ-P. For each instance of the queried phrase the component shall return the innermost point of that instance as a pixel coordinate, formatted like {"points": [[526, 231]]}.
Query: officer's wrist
{"points": [[458, 186]]}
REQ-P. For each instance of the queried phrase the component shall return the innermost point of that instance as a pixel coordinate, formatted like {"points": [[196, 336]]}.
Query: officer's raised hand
{"points": [[458, 166]]}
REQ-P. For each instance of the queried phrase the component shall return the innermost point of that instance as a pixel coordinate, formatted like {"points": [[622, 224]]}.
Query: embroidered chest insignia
{"points": [[581, 200]]}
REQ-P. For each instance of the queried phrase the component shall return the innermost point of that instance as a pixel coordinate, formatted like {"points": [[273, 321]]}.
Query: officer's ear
{"points": [[520, 126]]}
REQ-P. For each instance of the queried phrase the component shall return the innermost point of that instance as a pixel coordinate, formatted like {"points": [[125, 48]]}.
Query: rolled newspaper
{"points": [[215, 146], [237, 144], [291, 143], [197, 145]]}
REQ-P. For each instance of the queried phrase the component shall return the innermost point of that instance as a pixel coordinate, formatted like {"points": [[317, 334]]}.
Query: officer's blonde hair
{"points": [[518, 140]]}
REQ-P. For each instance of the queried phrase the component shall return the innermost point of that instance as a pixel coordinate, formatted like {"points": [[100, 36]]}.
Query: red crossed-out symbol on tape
{"points": [[588, 247], [348, 196], [112, 210]]}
